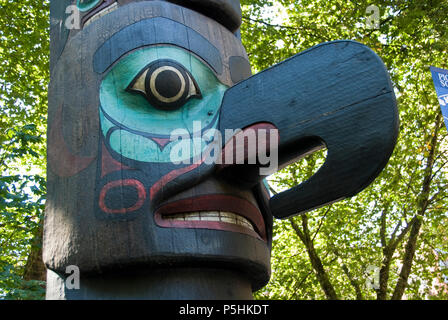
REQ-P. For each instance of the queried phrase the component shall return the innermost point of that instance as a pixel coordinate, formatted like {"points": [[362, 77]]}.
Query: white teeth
{"points": [[222, 216]]}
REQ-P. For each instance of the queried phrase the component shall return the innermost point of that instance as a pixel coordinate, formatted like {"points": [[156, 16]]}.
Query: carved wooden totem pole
{"points": [[146, 216]]}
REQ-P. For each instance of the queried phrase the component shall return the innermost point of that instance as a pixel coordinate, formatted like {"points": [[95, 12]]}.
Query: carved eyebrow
{"points": [[157, 30]]}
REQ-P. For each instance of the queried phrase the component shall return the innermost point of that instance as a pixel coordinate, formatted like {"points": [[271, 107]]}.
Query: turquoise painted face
{"points": [[137, 128]]}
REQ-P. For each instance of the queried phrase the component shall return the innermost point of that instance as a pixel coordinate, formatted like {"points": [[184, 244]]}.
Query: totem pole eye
{"points": [[165, 84], [85, 5]]}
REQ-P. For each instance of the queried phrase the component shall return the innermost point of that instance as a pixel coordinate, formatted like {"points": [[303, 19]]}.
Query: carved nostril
{"points": [[122, 196]]}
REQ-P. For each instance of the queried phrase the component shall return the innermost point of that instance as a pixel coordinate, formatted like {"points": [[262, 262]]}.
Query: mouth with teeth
{"points": [[215, 212], [227, 217]]}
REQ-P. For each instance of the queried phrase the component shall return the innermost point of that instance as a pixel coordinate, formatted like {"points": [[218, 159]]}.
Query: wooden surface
{"points": [[113, 188], [337, 95], [226, 12], [160, 284], [105, 183]]}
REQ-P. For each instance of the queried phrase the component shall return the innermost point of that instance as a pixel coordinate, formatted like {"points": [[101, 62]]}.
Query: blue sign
{"points": [[440, 78]]}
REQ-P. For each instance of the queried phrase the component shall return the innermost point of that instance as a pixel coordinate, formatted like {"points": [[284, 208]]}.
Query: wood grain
{"points": [[98, 215], [338, 93]]}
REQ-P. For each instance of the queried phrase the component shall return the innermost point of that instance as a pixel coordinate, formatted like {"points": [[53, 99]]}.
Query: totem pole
{"points": [[146, 216]]}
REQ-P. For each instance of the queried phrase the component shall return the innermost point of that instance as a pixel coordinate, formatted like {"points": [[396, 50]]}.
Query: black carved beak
{"points": [[336, 94]]}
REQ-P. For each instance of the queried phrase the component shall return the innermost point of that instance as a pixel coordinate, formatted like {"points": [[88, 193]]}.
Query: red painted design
{"points": [[171, 176], [61, 160], [119, 183], [231, 145], [162, 142], [109, 164]]}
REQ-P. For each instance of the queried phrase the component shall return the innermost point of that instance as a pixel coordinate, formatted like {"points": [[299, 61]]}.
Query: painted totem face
{"points": [[141, 72], [123, 194], [150, 94]]}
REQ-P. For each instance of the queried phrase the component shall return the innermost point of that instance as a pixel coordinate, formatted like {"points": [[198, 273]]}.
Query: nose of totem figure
{"points": [[336, 95]]}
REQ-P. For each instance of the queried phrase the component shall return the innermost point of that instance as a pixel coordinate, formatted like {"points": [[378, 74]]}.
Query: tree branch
{"points": [[321, 223], [411, 245], [353, 281], [321, 274]]}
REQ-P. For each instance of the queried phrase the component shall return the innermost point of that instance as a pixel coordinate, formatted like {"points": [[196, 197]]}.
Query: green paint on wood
{"points": [[86, 5], [133, 112]]}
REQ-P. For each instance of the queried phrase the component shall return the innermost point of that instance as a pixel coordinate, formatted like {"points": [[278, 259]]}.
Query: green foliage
{"points": [[24, 75], [21, 214], [373, 228], [14, 287]]}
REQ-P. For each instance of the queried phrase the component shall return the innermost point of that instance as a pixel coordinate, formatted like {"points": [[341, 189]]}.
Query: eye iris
{"points": [[167, 84]]}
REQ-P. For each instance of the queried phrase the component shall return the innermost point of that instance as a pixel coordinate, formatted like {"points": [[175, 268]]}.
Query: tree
{"points": [[24, 52], [395, 228], [391, 227]]}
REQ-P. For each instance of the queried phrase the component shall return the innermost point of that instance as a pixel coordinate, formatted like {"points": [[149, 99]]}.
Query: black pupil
{"points": [[168, 83]]}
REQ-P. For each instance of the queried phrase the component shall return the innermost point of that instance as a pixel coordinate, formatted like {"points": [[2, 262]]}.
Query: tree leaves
{"points": [[372, 228], [349, 236], [24, 76]]}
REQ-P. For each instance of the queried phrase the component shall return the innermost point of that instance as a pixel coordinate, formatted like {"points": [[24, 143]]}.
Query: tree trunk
{"points": [[318, 267], [35, 268], [411, 245], [381, 293], [353, 282], [321, 274]]}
